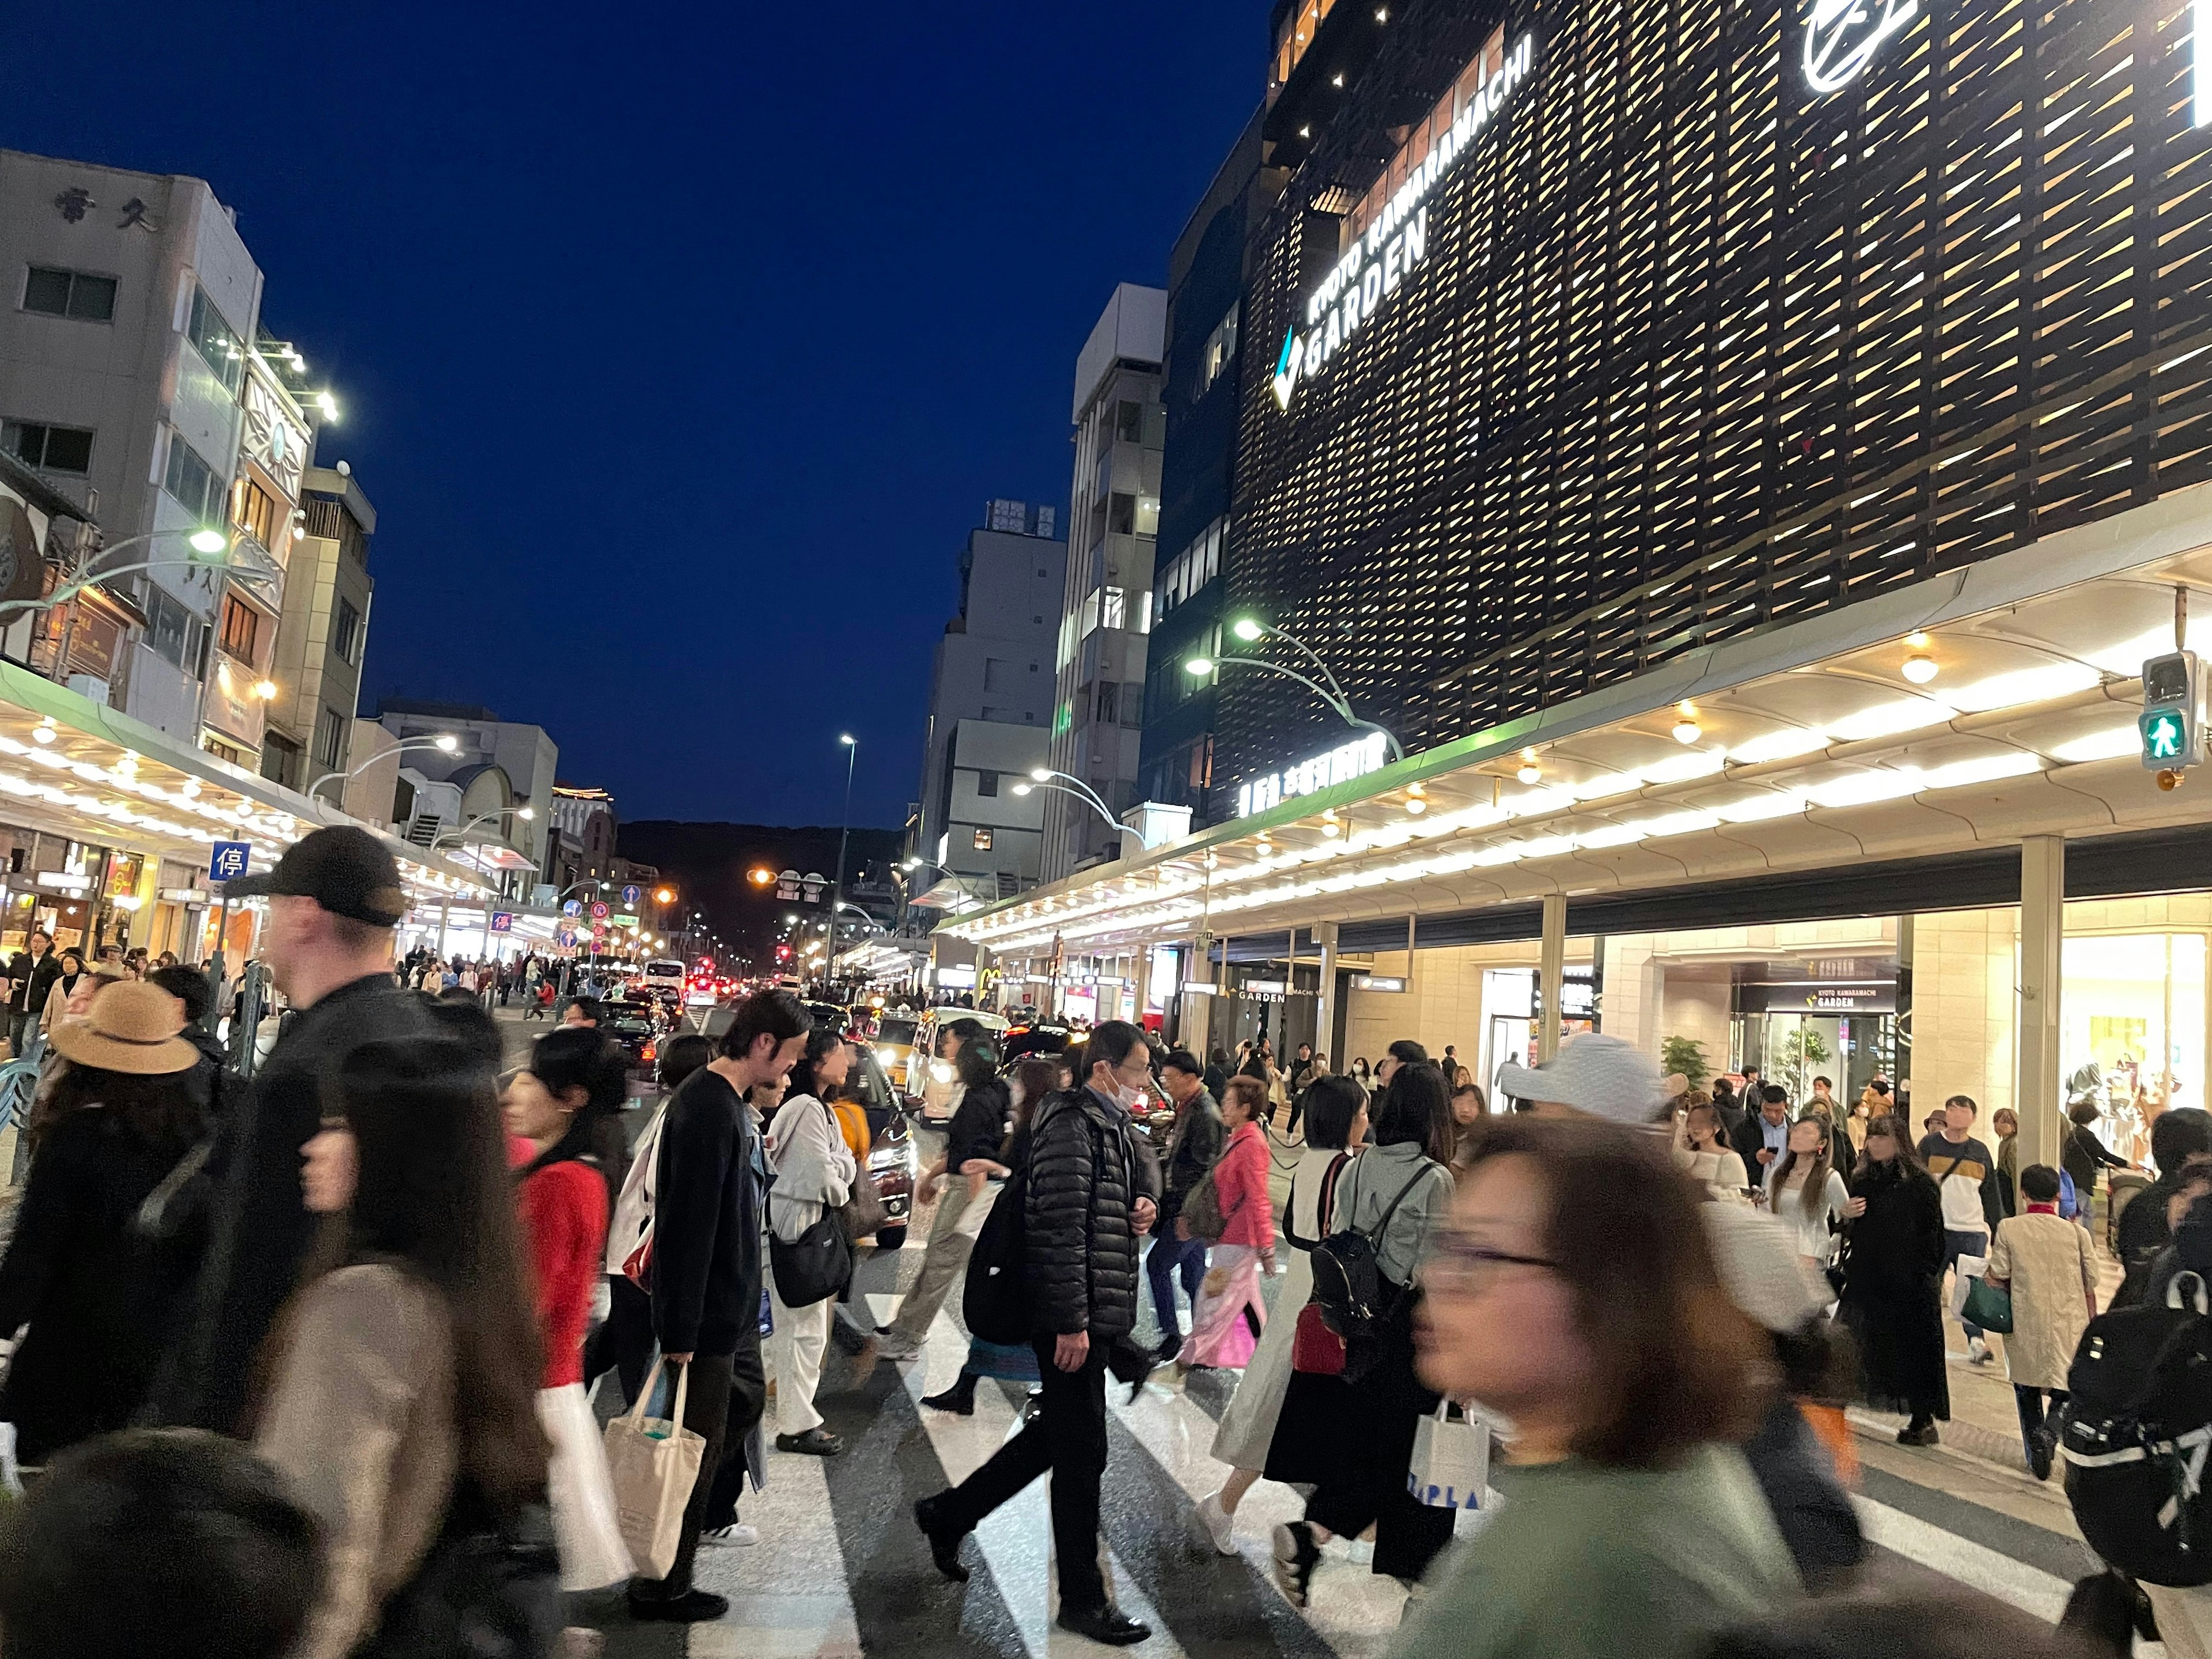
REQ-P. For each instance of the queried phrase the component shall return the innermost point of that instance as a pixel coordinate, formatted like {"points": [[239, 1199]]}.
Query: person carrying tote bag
{"points": [[809, 1256], [653, 1463]]}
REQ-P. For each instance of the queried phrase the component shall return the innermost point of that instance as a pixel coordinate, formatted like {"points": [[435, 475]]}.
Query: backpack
{"points": [[2138, 1426], [1349, 1288], [994, 1301]]}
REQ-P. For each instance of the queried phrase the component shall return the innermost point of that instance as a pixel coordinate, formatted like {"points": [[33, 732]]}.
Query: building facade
{"points": [[1204, 373], [1746, 455], [990, 704], [135, 376], [584, 818], [492, 790], [1113, 512], [322, 635]]}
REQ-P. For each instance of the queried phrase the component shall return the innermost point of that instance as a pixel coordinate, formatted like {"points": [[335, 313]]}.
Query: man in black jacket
{"points": [[334, 898], [2175, 1135], [707, 1261], [30, 977], [1088, 1198], [1193, 1146]]}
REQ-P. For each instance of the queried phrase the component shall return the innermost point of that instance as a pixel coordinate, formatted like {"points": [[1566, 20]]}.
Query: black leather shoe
{"points": [[1107, 1624], [960, 1399], [944, 1540], [692, 1607], [815, 1443]]}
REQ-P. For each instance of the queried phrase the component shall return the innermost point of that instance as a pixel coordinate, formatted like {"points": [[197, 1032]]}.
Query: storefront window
{"points": [[2132, 1028]]}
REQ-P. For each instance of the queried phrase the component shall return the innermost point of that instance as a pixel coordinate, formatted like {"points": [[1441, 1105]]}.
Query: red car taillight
{"points": [[649, 1053]]}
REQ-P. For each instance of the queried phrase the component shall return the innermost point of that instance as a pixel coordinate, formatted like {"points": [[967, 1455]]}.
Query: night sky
{"points": [[678, 346]]}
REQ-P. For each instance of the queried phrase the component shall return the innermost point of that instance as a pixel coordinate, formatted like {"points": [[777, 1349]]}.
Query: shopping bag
{"points": [[1988, 1308], [652, 1464], [1970, 1269], [1451, 1460], [580, 1493]]}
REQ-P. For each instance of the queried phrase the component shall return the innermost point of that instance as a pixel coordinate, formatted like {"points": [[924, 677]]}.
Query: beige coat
{"points": [[2046, 1262], [362, 1423]]}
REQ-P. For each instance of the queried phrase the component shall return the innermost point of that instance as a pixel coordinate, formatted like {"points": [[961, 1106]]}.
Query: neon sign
{"points": [[1842, 36], [1375, 266], [1351, 760]]}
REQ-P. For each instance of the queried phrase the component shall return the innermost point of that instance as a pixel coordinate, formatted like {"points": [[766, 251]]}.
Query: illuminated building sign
{"points": [[1351, 760], [1842, 36], [1379, 261]]}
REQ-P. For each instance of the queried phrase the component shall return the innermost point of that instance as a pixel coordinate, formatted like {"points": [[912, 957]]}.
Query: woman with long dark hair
{"points": [[404, 1376], [1893, 1302], [556, 1105], [116, 1112], [1804, 1190], [814, 1173], [1354, 1439]]}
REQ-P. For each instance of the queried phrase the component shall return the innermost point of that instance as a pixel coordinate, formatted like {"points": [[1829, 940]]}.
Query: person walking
{"points": [[1702, 1150], [1228, 1314], [1844, 1151], [1336, 1123], [1087, 1205], [31, 976], [119, 1111], [814, 1173], [1396, 1193], [2047, 1264], [2004, 1123], [2177, 1134], [1469, 1107], [1805, 1190], [1193, 1145], [1892, 1301], [334, 898], [60, 990], [1965, 1169], [708, 1208], [1631, 1523], [402, 1404], [974, 1135], [2085, 1155]]}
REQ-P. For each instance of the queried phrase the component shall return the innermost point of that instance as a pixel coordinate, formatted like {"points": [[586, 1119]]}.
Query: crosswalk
{"points": [[840, 1570]]}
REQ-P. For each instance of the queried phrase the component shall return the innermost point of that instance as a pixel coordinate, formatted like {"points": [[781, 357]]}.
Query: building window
{"points": [[241, 629], [280, 760], [1114, 611], [73, 293], [254, 511], [1129, 422], [192, 482], [983, 840], [1132, 704], [346, 631], [1190, 569], [216, 342], [222, 750], [49, 448], [1219, 351], [330, 740], [1106, 702], [1122, 512], [987, 783], [171, 629], [1148, 515]]}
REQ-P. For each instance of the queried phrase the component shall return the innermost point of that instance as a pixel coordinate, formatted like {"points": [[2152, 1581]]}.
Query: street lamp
{"points": [[208, 546], [1251, 629], [445, 744], [844, 834], [526, 813], [1083, 795]]}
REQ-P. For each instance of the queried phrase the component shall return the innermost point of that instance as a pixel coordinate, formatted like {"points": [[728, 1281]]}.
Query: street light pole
{"points": [[445, 744], [1088, 799], [844, 834], [1337, 705]]}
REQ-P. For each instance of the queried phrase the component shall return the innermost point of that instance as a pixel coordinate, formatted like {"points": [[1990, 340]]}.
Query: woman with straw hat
{"points": [[115, 1115]]}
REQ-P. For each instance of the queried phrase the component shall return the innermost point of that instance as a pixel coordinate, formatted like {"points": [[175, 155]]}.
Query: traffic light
{"points": [[2171, 724]]}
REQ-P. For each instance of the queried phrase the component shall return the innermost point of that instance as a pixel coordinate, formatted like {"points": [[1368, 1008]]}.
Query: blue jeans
{"points": [[1167, 1254], [1956, 1244]]}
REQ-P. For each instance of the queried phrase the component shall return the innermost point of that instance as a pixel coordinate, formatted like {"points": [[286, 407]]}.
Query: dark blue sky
{"points": [[678, 347]]}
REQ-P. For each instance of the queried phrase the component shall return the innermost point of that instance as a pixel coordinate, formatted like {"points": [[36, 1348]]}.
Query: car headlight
{"points": [[887, 1056]]}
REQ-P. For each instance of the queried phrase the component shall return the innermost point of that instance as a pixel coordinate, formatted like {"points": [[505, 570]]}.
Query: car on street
{"points": [[894, 1045], [635, 1027]]}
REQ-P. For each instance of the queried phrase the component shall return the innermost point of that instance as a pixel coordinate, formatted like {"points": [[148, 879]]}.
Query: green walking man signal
{"points": [[2171, 724]]}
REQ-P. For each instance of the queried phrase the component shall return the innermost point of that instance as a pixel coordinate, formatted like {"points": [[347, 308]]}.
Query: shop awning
{"points": [[1804, 748]]}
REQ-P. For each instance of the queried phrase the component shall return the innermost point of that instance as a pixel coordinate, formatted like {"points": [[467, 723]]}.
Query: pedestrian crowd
{"points": [[327, 1338]]}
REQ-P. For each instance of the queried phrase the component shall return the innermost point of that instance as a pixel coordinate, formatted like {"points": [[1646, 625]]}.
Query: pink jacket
{"points": [[1241, 1180]]}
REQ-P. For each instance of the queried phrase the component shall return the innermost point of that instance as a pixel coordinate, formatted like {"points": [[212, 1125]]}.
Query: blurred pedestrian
{"points": [[334, 898], [31, 976], [1702, 1149], [1193, 1145], [2047, 1266], [59, 993], [2084, 1155], [1468, 1109], [1965, 1171], [404, 1375], [814, 1175], [2177, 1134], [1630, 1524], [156, 1545], [117, 1114], [1228, 1314], [1892, 1300], [1804, 1190]]}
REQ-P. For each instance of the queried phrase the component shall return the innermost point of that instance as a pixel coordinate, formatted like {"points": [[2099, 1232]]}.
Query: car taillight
{"points": [[648, 1049]]}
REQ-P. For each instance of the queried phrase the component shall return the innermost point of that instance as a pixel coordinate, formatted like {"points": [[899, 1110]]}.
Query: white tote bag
{"points": [[653, 1463], [1970, 1269], [1451, 1460], [580, 1493]]}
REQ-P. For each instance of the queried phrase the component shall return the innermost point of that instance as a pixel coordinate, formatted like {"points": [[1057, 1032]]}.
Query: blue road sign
{"points": [[229, 861], [566, 939], [630, 896], [573, 908], [502, 921]]}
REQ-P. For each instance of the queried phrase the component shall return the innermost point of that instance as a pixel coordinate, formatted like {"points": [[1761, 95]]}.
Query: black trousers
{"points": [[623, 1343], [706, 1414], [1068, 1439], [748, 1400]]}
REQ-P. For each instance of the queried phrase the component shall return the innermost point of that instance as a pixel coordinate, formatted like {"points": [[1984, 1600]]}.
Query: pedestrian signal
{"points": [[2172, 725]]}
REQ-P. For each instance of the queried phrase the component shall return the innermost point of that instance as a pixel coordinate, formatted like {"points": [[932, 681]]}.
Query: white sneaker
{"points": [[739, 1535], [1977, 1353], [1220, 1525]]}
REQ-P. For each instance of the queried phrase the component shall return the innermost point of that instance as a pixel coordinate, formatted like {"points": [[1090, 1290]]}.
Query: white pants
{"points": [[795, 1352]]}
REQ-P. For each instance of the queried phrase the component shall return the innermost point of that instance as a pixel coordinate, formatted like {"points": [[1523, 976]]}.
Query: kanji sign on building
{"points": [[229, 859]]}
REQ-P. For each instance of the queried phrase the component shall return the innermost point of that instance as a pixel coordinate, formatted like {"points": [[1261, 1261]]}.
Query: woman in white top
{"points": [[814, 1172], [1804, 1190], [1336, 1124], [1701, 1147]]}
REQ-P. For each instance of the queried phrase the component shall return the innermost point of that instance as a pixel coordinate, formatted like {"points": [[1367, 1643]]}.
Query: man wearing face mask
{"points": [[1091, 1196]]}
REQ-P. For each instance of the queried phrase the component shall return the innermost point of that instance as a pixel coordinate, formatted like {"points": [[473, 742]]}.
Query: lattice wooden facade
{"points": [[1695, 350]]}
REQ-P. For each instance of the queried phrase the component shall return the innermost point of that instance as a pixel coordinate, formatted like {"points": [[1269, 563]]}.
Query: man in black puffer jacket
{"points": [[1089, 1196]]}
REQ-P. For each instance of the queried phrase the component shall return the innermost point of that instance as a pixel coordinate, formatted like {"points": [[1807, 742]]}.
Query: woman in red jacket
{"points": [[1226, 1321], [561, 1104]]}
